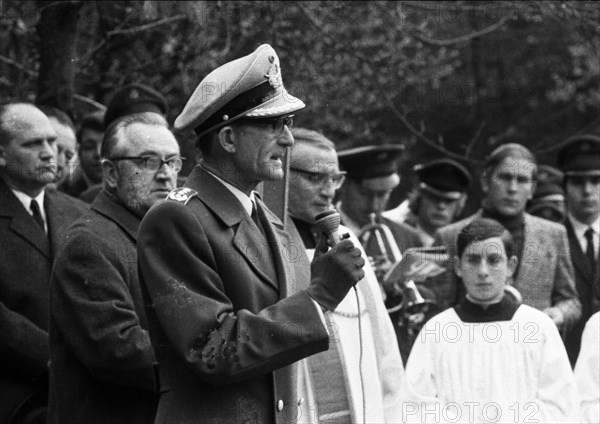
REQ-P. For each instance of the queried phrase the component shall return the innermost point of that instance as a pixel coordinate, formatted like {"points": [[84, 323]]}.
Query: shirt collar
{"points": [[246, 201], [26, 200], [580, 228]]}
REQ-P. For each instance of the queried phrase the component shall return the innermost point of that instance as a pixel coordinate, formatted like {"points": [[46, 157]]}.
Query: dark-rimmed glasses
{"points": [[322, 178], [277, 123], [154, 163]]}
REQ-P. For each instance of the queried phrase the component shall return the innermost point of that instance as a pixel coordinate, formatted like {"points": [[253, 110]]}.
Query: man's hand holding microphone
{"points": [[334, 271]]}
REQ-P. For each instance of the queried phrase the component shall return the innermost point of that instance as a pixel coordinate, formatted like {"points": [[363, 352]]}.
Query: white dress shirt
{"points": [[26, 201]]}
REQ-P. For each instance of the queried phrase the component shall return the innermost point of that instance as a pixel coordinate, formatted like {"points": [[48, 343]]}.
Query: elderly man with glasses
{"points": [[361, 321], [102, 362]]}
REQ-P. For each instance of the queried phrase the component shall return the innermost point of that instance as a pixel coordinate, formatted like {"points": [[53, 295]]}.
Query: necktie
{"points": [[589, 251], [254, 217], [37, 215]]}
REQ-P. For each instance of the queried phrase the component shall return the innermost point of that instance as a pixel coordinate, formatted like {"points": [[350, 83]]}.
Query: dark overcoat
{"points": [[230, 319], [588, 288], [26, 254], [101, 356]]}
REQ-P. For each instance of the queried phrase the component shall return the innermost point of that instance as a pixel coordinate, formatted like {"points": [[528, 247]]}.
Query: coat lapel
{"points": [[532, 257], [281, 247], [578, 257], [248, 240], [22, 223], [108, 206]]}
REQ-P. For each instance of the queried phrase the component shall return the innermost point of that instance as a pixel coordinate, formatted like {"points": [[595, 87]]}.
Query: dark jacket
{"points": [[588, 288], [101, 356], [230, 318], [26, 255]]}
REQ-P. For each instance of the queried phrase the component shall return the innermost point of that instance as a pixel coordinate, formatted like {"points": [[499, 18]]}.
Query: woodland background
{"points": [[451, 79]]}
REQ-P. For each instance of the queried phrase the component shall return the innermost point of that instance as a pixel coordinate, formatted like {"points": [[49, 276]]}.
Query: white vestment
{"points": [[587, 371], [507, 371]]}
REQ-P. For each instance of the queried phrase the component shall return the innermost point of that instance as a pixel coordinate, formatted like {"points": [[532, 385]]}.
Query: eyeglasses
{"points": [[277, 123], [154, 163], [336, 180]]}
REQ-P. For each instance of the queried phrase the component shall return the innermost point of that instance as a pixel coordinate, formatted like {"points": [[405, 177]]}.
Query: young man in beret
{"points": [[580, 162], [229, 319], [544, 274], [438, 199], [489, 358]]}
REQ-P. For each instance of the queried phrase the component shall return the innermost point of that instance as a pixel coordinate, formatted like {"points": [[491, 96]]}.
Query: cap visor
{"points": [[387, 182], [448, 195], [281, 104]]}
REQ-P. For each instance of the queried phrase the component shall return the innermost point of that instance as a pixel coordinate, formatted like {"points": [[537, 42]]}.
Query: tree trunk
{"points": [[57, 29]]}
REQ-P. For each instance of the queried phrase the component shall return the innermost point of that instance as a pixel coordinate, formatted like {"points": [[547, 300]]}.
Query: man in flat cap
{"points": [[371, 177], [439, 196], [548, 201], [544, 273], [228, 319], [579, 159]]}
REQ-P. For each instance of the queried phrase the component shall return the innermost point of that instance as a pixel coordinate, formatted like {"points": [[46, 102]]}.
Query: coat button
{"points": [[300, 401], [280, 405]]}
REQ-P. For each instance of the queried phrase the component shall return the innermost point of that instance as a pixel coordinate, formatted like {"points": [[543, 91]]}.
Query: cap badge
{"points": [[274, 76]]}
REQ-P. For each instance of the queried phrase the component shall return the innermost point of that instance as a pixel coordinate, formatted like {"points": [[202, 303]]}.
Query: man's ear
{"points": [[2, 156], [512, 265], [110, 173], [457, 269], [227, 138]]}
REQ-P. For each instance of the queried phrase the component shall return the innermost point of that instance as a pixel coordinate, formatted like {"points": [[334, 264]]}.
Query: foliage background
{"points": [[441, 78]]}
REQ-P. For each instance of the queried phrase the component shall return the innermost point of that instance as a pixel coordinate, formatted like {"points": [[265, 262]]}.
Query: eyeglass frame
{"points": [[275, 122], [324, 177], [149, 157]]}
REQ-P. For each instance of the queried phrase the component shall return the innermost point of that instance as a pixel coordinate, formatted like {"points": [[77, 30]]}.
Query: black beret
{"points": [[372, 162], [135, 98], [581, 155], [444, 178], [549, 183]]}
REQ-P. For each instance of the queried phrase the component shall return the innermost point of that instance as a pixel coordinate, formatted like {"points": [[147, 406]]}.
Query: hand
{"points": [[333, 273], [557, 316]]}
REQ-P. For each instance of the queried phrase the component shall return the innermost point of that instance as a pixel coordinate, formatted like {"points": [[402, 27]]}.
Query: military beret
{"points": [[548, 210], [374, 166], [444, 178], [134, 98], [249, 87], [580, 156]]}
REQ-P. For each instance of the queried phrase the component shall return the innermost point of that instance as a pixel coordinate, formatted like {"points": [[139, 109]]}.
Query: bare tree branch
{"points": [[19, 66], [463, 38], [89, 101], [474, 139], [145, 27], [383, 91]]}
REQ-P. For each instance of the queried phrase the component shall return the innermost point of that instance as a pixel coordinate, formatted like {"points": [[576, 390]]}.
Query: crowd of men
{"points": [[128, 295]]}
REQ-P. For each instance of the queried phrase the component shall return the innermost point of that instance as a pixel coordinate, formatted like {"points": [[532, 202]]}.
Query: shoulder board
{"points": [[182, 194]]}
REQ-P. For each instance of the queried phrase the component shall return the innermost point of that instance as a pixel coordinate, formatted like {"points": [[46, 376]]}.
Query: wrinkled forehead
{"points": [[516, 166], [315, 158]]}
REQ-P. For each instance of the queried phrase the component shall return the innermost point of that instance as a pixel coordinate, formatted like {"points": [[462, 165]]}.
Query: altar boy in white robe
{"points": [[489, 359]]}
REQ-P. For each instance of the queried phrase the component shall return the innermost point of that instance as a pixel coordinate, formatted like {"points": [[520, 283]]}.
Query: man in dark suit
{"points": [[580, 162], [102, 361], [228, 319], [33, 220], [544, 275]]}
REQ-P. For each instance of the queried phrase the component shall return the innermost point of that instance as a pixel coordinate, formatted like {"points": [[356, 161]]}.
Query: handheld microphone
{"points": [[329, 224]]}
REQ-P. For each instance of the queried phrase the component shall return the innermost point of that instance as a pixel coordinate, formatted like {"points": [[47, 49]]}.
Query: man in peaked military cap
{"points": [[439, 197], [228, 320], [580, 162], [548, 201], [135, 98]]}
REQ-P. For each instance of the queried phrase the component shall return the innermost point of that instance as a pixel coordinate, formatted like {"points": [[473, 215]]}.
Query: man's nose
{"points": [[286, 138], [49, 150]]}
